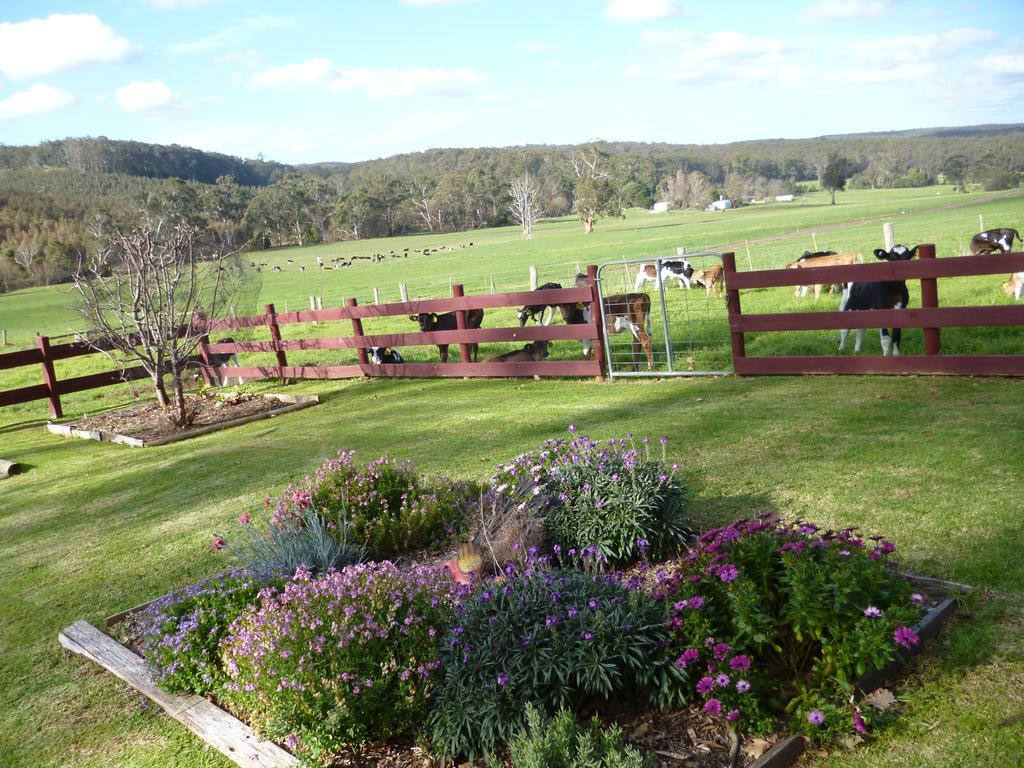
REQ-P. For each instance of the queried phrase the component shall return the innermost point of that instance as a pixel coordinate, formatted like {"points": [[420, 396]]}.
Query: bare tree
{"points": [[149, 295], [525, 205]]}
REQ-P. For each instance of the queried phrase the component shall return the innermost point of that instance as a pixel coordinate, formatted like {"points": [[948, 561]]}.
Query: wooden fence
{"points": [[930, 317], [53, 388]]}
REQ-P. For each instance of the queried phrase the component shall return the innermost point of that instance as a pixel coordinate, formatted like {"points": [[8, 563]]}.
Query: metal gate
{"points": [[688, 329]]}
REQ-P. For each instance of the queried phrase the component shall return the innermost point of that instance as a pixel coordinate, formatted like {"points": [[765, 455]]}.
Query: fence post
{"points": [[357, 330], [732, 296], [275, 334], [460, 322], [533, 278], [403, 291], [376, 296], [3, 337], [929, 300], [204, 353], [49, 377], [597, 316], [888, 235]]}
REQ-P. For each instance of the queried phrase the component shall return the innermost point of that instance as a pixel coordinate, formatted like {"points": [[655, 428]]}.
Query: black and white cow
{"points": [[431, 321], [384, 355], [535, 312], [883, 294], [679, 269], [994, 241]]}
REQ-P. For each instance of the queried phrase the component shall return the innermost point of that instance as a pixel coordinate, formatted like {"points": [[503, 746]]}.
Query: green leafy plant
{"points": [[554, 637], [182, 632], [615, 496], [767, 615], [562, 742], [333, 662], [383, 504]]}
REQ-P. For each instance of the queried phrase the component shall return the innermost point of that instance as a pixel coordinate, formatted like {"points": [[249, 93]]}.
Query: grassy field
{"points": [[934, 463]]}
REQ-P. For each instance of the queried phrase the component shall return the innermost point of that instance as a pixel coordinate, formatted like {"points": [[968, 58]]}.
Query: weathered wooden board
{"points": [[782, 755], [230, 736]]}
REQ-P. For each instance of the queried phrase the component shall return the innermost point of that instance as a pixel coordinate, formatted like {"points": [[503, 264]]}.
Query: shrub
{"points": [[551, 637], [337, 661], [280, 548], [563, 743], [182, 632], [612, 496], [816, 609], [383, 503]]}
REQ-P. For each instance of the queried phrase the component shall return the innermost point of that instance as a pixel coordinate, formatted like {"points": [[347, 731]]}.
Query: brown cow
{"points": [[710, 278], [825, 260]]}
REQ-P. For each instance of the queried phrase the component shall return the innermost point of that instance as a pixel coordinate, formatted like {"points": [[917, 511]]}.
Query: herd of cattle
{"points": [[632, 311], [376, 258]]}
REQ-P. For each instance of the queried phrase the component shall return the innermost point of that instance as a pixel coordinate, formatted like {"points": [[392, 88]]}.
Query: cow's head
{"points": [[426, 320], [898, 253], [538, 349], [523, 315]]}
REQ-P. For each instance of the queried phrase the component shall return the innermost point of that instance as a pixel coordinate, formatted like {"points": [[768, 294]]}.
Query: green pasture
{"points": [[933, 462]]}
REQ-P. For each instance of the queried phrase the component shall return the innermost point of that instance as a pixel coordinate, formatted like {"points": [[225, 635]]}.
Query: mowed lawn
{"points": [[935, 463]]}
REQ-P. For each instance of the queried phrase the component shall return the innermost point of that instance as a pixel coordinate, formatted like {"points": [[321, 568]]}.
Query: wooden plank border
{"points": [[228, 735]]}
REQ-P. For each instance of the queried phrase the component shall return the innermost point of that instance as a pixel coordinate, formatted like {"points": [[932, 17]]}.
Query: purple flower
{"points": [[727, 572], [592, 602], [872, 612], [663, 441], [586, 635], [739, 663], [816, 717], [917, 597], [858, 723], [572, 429], [733, 715], [844, 553], [290, 741], [696, 601], [722, 680], [502, 679], [705, 685], [713, 707], [642, 545], [906, 637], [721, 650], [742, 686]]}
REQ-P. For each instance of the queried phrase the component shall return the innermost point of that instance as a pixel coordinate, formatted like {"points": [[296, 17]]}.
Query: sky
{"points": [[352, 80]]}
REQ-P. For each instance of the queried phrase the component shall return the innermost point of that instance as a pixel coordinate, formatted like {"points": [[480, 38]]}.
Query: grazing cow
{"points": [[431, 321], [533, 310], [994, 241], [1014, 286], [680, 269], [822, 259], [884, 294], [710, 278], [622, 312], [533, 352], [384, 355], [219, 360], [277, 268]]}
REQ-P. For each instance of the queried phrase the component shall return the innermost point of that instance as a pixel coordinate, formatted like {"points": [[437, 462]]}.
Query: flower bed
{"points": [[706, 648]]}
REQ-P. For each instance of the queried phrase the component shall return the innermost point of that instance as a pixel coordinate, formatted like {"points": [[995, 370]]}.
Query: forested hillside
{"points": [[54, 194]]}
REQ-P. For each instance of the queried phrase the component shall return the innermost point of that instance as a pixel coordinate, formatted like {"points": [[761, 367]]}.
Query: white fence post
{"points": [[403, 291], [533, 278], [890, 237]]}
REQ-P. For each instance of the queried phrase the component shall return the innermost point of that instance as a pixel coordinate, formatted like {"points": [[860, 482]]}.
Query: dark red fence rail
{"points": [[463, 337], [52, 388], [929, 316]]}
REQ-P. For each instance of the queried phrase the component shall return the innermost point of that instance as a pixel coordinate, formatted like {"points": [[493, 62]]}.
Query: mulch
{"points": [[149, 421]]}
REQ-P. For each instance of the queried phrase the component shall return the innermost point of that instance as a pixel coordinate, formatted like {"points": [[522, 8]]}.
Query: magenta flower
{"points": [[734, 714], [858, 723], [705, 685], [218, 543], [713, 707], [816, 717], [906, 637], [502, 679], [739, 663]]}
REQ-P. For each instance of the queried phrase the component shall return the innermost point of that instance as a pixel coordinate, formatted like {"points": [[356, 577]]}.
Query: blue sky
{"points": [[356, 79]]}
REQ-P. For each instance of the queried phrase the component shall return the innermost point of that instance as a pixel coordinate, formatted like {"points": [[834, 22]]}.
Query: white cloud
{"points": [[143, 97], [233, 35], [34, 101], [724, 56], [58, 42], [640, 10], [844, 10], [373, 82], [1009, 65]]}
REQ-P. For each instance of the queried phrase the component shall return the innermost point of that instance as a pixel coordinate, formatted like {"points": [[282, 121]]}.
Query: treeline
{"points": [[52, 196]]}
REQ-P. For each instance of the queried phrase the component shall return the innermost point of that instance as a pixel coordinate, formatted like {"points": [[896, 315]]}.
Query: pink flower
{"points": [[713, 707], [906, 637], [218, 543], [734, 714], [244, 518]]}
